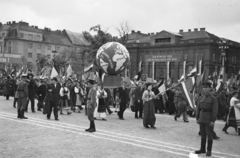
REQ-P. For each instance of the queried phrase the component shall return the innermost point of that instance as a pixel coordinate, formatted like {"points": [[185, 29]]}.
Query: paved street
{"points": [[39, 137]]}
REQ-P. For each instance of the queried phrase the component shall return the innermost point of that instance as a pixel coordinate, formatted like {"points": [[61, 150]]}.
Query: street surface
{"points": [[38, 137]]}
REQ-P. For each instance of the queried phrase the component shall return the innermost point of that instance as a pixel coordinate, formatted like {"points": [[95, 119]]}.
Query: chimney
{"points": [[189, 30], [133, 31], [202, 29], [180, 31], [13, 22], [148, 33], [138, 31], [36, 27], [152, 33], [195, 30]]}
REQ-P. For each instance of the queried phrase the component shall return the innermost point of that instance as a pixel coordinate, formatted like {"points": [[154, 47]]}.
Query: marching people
{"points": [[41, 93], [91, 104], [8, 87], [78, 95], [22, 96], [53, 89], [149, 118], [15, 93], [117, 102], [100, 110], [32, 87], [181, 105], [65, 98], [123, 94], [108, 100], [138, 100], [206, 115], [233, 119]]}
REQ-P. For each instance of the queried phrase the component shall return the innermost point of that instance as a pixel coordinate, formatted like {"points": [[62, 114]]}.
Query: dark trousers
{"points": [[138, 108], [206, 131], [7, 97], [54, 106], [15, 102], [40, 105], [32, 100], [122, 109]]}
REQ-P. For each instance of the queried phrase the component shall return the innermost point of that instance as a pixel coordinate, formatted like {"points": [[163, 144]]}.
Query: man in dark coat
{"points": [[8, 87], [54, 89], [206, 115], [123, 95], [41, 93], [138, 100], [32, 87], [22, 96]]}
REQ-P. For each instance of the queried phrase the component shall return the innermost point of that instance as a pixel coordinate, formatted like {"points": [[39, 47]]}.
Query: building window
{"points": [[38, 38], [21, 35], [162, 40], [39, 46], [30, 37], [29, 55], [38, 55], [3, 34], [30, 45], [49, 47]]}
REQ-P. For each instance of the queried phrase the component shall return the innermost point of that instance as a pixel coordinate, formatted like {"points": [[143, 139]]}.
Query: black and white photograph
{"points": [[119, 79]]}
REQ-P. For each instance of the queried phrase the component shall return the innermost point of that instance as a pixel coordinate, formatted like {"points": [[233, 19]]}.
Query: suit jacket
{"points": [[138, 93], [55, 92], [123, 95], [41, 92]]}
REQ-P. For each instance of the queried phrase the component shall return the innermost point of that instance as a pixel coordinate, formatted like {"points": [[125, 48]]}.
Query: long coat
{"points": [[41, 92], [22, 94], [91, 103]]}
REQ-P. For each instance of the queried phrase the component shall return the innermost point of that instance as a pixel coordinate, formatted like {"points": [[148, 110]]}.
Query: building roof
{"points": [[77, 38], [23, 27], [5, 28], [51, 37], [174, 33], [197, 35]]}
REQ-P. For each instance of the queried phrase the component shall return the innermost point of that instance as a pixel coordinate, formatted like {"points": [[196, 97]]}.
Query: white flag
{"points": [[54, 73], [69, 71]]}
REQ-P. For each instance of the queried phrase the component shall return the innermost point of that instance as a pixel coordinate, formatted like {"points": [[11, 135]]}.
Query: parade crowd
{"points": [[71, 95]]}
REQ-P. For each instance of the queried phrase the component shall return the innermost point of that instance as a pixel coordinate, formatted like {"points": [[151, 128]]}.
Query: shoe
{"points": [[57, 119], [33, 111], [153, 127], [209, 153], [224, 130], [104, 119], [87, 129], [92, 130], [146, 126], [175, 118], [48, 118], [110, 112], [136, 117], [69, 113], [186, 121], [200, 151], [121, 118], [39, 110], [216, 138]]}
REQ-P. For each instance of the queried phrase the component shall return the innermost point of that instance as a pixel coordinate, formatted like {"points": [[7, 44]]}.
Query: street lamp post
{"points": [[223, 45]]}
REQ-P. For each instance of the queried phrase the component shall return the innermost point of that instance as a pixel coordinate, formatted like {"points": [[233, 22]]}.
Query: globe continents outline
{"points": [[113, 58]]}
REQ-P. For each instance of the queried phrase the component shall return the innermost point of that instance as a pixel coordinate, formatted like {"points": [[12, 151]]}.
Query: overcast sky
{"points": [[220, 17]]}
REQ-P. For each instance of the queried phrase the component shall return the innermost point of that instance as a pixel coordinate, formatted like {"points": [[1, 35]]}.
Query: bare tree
{"points": [[123, 30]]}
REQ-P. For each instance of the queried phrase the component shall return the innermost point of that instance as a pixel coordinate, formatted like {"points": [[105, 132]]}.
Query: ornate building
{"points": [[30, 41], [162, 54]]}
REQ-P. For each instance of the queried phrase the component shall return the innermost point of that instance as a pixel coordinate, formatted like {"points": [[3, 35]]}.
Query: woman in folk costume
{"points": [[233, 119], [100, 110], [65, 97], [149, 118], [78, 94]]}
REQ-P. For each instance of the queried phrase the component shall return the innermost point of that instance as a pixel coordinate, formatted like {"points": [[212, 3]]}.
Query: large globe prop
{"points": [[113, 58]]}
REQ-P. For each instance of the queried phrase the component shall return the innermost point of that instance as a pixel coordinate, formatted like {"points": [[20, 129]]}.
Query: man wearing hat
{"points": [[91, 104], [32, 86], [41, 93], [22, 96], [206, 115], [54, 89], [123, 95]]}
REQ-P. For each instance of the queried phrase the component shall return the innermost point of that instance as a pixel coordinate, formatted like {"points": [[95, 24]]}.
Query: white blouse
{"points": [[148, 95], [232, 102]]}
